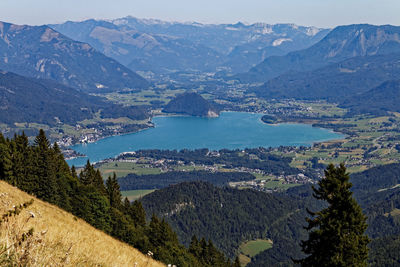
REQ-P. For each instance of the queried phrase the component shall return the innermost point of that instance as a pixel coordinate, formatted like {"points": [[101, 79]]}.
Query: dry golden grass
{"points": [[60, 239]]}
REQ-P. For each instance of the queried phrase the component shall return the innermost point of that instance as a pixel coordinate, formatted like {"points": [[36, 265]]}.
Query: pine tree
{"points": [[87, 174], [127, 205], [90, 176], [41, 141], [113, 192], [5, 160], [138, 214], [194, 247], [203, 249], [154, 231], [44, 184], [20, 166], [74, 173], [337, 232], [99, 183]]}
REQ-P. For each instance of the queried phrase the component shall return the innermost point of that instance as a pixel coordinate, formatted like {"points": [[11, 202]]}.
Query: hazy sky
{"points": [[323, 13]]}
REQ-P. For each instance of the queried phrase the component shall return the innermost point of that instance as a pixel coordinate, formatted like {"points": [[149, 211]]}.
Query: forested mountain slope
{"points": [[337, 82], [229, 216], [24, 99], [378, 101]]}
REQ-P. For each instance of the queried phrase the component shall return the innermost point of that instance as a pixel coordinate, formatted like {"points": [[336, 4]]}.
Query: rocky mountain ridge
{"points": [[41, 52]]}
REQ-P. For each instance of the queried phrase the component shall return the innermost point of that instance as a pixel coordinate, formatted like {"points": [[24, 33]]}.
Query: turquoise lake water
{"points": [[231, 130]]}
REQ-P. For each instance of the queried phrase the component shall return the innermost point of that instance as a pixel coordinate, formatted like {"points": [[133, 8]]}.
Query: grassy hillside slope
{"points": [[59, 238]]}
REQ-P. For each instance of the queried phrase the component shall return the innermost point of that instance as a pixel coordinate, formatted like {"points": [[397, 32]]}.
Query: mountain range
{"points": [[341, 43], [338, 66], [41, 52], [160, 46]]}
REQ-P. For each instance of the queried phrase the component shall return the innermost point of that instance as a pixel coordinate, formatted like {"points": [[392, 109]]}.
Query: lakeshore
{"points": [[232, 130]]}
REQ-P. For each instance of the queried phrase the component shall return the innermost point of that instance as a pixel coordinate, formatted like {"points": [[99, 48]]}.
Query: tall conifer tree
{"points": [[5, 160], [87, 174], [337, 232], [113, 192], [99, 183], [137, 213], [21, 161], [44, 184]]}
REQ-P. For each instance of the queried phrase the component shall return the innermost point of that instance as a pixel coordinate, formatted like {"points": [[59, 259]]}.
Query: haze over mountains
{"points": [[41, 52], [160, 46]]}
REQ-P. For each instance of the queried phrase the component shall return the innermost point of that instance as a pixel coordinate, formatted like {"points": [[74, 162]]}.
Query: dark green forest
{"points": [[229, 216]]}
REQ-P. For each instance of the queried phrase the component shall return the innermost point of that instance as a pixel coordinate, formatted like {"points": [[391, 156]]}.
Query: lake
{"points": [[230, 130]]}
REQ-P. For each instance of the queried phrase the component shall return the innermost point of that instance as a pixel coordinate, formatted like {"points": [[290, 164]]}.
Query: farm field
{"points": [[252, 248], [122, 169], [370, 141], [144, 97]]}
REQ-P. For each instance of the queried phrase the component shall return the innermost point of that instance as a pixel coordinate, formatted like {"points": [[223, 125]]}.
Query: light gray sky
{"points": [[322, 13]]}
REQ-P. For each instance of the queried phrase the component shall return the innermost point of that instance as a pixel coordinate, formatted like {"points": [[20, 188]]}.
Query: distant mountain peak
{"points": [[150, 21], [161, 47], [312, 31], [360, 40], [48, 35]]}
